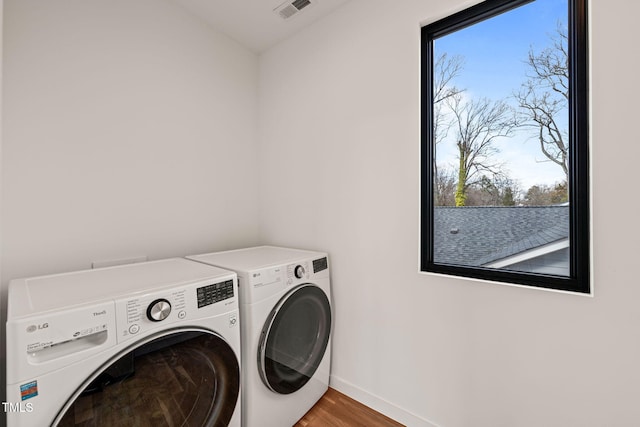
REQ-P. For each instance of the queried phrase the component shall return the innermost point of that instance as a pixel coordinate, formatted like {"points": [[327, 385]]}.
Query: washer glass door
{"points": [[294, 339], [185, 377]]}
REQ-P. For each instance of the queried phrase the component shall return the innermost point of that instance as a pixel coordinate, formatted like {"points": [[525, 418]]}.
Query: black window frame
{"points": [[578, 279]]}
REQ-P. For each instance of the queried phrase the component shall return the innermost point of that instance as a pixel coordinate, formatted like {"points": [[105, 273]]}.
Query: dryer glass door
{"points": [[176, 379], [294, 339]]}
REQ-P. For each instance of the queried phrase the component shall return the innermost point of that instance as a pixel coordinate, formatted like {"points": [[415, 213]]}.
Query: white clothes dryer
{"points": [[286, 321], [148, 344]]}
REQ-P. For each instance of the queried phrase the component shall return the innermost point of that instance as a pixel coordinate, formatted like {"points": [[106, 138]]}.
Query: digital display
{"points": [[320, 264], [212, 294]]}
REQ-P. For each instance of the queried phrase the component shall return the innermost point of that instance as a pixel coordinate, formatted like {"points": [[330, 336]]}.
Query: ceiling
{"points": [[253, 23]]}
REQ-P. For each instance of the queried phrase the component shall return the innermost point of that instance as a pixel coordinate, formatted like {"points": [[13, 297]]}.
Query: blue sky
{"points": [[494, 53]]}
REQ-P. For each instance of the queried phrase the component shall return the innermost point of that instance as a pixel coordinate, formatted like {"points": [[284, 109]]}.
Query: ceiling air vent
{"points": [[290, 8]]}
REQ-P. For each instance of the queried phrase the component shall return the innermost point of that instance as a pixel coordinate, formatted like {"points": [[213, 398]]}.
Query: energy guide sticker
{"points": [[29, 390]]}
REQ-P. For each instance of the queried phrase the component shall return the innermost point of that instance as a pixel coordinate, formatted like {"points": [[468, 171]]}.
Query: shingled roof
{"points": [[479, 235]]}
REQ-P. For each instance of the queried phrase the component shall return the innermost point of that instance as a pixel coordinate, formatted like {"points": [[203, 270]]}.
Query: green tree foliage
{"points": [[508, 198]]}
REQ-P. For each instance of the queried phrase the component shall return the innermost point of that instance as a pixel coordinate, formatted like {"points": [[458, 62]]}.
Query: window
{"points": [[504, 159]]}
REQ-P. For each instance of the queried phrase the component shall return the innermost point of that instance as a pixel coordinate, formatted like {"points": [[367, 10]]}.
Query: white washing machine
{"points": [[286, 321], [149, 344]]}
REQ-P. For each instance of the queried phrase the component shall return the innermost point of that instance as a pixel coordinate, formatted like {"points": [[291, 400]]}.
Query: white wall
{"points": [[129, 129], [339, 143], [125, 124]]}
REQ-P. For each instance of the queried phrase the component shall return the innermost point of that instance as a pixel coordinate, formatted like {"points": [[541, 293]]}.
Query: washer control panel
{"points": [[139, 314], [214, 293]]}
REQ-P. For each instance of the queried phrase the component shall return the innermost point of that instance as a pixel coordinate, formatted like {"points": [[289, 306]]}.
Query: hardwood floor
{"points": [[338, 410]]}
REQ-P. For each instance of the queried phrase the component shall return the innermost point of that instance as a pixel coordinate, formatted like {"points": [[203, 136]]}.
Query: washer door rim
{"points": [[111, 360]]}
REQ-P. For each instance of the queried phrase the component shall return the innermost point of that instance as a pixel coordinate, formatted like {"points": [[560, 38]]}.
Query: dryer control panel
{"points": [[261, 283], [297, 271], [137, 315], [307, 270]]}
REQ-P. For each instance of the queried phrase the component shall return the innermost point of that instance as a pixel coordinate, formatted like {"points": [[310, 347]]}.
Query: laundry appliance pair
{"points": [[170, 342]]}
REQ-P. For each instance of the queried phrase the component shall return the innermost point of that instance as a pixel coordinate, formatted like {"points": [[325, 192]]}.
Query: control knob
{"points": [[299, 271], [159, 310]]}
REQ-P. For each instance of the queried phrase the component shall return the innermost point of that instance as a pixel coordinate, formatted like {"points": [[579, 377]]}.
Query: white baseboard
{"points": [[377, 403]]}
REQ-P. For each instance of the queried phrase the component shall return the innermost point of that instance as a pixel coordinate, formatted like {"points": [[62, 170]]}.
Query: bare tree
{"points": [[542, 195], [499, 191], [478, 122], [445, 69], [444, 187], [544, 98]]}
